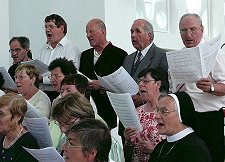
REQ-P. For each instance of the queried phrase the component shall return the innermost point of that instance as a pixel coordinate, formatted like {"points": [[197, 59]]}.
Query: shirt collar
{"points": [[144, 51], [180, 135], [62, 42]]}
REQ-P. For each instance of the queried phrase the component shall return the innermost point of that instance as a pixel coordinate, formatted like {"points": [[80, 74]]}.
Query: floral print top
{"points": [[150, 131]]}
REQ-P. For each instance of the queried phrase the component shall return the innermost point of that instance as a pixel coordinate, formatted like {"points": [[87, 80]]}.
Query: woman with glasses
{"points": [[26, 77], [12, 110], [141, 144], [68, 110]]}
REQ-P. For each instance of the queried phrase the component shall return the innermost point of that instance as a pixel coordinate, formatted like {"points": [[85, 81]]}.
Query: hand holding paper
{"points": [[125, 110]]}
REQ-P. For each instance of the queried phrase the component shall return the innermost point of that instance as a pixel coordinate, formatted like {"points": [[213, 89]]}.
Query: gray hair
{"points": [[147, 26], [198, 18]]}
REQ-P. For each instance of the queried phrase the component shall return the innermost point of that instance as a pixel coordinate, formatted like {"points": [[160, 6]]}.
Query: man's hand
{"points": [[204, 84], [95, 85]]}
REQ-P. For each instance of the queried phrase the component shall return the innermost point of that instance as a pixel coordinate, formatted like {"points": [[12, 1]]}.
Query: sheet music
{"points": [[89, 80], [191, 64], [120, 82], [38, 127], [40, 66], [125, 110], [32, 112], [9, 83], [48, 154]]}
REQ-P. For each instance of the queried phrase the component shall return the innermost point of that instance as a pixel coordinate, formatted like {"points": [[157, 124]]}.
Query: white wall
{"points": [[4, 32], [26, 17]]}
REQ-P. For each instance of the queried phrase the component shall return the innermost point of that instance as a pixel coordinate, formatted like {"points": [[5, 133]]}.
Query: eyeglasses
{"points": [[54, 76], [69, 145], [50, 27], [65, 125], [19, 77], [193, 30], [145, 81], [2, 115], [17, 50], [163, 111]]}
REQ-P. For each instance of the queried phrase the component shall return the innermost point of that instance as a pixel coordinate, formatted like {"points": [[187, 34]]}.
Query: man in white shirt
{"points": [[208, 94], [57, 46]]}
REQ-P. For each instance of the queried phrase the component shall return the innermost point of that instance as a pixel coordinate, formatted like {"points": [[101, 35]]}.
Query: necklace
{"points": [[167, 152], [14, 140]]}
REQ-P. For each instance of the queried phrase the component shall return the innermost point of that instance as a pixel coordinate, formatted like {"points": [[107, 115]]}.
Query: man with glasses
{"points": [[87, 140], [208, 94], [57, 46], [20, 51], [174, 116]]}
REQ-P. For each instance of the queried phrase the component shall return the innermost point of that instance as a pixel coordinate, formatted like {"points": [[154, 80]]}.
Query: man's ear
{"points": [[91, 155]]}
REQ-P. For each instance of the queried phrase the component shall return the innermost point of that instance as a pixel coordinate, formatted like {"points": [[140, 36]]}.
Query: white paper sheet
{"points": [[89, 80], [38, 127], [191, 64], [120, 82], [9, 83], [32, 112], [125, 110], [40, 66], [48, 154]]}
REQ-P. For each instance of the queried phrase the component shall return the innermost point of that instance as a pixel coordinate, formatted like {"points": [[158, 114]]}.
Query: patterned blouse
{"points": [[150, 130]]}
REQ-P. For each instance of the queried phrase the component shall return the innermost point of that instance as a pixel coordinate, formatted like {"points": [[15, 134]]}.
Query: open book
{"points": [[9, 83], [38, 127], [125, 110], [48, 154], [40, 66], [120, 82], [191, 64]]}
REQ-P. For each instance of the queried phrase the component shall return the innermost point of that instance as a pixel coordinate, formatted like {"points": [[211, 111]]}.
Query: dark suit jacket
{"points": [[109, 61], [155, 58]]}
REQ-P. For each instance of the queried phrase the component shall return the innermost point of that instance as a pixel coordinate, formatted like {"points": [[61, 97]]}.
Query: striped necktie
{"points": [[137, 62]]}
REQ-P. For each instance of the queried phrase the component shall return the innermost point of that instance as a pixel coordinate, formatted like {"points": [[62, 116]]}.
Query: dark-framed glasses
{"points": [[145, 80], [17, 50], [66, 125]]}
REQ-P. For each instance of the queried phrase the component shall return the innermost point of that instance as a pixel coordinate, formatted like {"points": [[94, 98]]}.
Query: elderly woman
{"points": [[26, 78], [12, 110], [144, 142]]}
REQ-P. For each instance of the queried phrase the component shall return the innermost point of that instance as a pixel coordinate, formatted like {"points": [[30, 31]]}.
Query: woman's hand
{"points": [[130, 134], [146, 145]]}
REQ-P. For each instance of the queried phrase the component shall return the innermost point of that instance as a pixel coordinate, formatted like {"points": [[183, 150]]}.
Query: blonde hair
{"points": [[16, 104], [31, 71], [72, 105]]}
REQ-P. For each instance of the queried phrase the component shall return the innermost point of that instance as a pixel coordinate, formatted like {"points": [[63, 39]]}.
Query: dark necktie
{"points": [[137, 62]]}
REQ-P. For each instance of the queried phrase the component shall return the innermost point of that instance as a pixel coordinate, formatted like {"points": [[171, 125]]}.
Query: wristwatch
{"points": [[212, 89]]}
